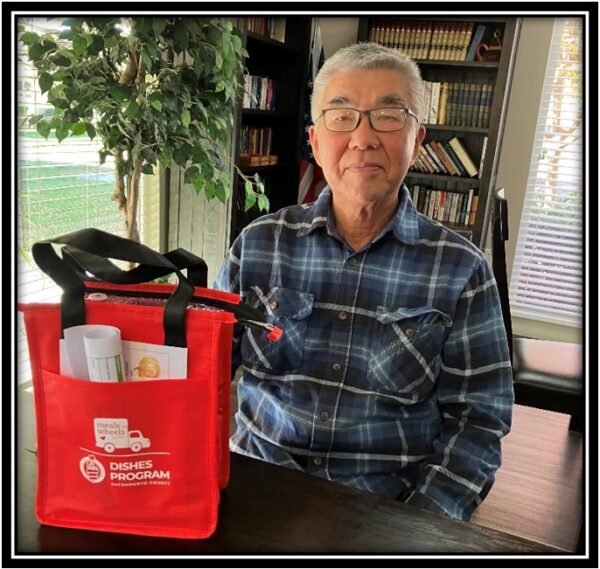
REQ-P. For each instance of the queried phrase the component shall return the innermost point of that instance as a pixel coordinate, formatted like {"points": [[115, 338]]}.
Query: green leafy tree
{"points": [[155, 90]]}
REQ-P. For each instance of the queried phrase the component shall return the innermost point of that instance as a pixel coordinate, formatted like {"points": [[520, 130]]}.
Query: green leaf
{"points": [[43, 128], [156, 104], [199, 183], [209, 190], [263, 202], [185, 118], [221, 191], [133, 110], [79, 44], [66, 34], [190, 174], [158, 26], [45, 80], [78, 128], [250, 195], [29, 37], [90, 129], [62, 131], [165, 159], [119, 93], [147, 169]]}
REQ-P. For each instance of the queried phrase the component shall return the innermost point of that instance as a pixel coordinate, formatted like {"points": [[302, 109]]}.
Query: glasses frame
{"points": [[367, 113]]}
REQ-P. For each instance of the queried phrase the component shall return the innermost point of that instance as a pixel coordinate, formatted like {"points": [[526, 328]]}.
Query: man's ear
{"points": [[314, 143], [418, 141]]}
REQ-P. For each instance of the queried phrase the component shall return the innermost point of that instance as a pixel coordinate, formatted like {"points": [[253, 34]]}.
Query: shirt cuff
{"points": [[424, 502]]}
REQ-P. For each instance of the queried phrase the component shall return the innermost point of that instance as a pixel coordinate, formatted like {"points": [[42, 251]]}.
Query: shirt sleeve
{"points": [[228, 280], [475, 396]]}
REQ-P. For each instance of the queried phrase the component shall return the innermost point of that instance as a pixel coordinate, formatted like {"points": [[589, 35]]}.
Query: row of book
{"points": [[448, 158], [259, 93], [255, 140], [273, 28], [445, 206], [449, 41], [457, 103]]}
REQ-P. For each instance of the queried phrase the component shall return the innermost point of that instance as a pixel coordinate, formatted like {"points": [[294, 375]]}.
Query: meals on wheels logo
{"points": [[127, 465]]}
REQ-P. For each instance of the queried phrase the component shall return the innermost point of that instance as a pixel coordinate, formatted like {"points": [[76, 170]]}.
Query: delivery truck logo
{"points": [[112, 434]]}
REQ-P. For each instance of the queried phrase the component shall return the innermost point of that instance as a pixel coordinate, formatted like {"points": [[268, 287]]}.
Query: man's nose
{"points": [[364, 135]]}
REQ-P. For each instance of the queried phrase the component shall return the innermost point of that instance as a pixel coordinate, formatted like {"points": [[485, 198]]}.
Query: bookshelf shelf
{"points": [[457, 129], [466, 64], [279, 130], [471, 182], [467, 97]]}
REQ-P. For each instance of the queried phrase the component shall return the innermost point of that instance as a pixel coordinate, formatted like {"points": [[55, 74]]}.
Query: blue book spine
{"points": [[475, 42]]}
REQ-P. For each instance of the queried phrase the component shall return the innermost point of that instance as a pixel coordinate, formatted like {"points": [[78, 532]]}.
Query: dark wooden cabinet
{"points": [[441, 59], [274, 122]]}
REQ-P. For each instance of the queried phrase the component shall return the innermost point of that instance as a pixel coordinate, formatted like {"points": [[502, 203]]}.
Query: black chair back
{"points": [[499, 237]]}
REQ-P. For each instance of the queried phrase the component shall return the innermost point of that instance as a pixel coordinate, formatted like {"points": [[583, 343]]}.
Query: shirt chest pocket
{"points": [[405, 354], [290, 310]]}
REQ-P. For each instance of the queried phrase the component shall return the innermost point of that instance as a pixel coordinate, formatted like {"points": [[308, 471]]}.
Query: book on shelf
{"points": [[485, 102], [277, 29], [434, 158], [449, 169], [257, 160], [434, 102], [463, 156], [259, 93], [425, 39], [475, 41], [473, 210], [445, 206], [443, 103], [482, 161], [270, 27], [461, 169]]}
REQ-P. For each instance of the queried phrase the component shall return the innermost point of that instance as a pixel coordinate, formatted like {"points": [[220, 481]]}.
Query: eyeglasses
{"points": [[387, 119]]}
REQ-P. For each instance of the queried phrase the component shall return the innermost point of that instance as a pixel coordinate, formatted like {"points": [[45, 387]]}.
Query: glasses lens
{"points": [[341, 120], [388, 119]]}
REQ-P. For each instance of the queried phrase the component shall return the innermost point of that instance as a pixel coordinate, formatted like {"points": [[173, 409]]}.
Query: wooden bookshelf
{"points": [[286, 64], [451, 67]]}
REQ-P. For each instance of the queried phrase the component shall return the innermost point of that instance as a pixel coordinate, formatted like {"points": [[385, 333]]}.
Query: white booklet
{"points": [[97, 353]]}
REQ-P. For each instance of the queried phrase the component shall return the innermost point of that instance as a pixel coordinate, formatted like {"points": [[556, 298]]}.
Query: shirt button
{"points": [[317, 461], [410, 332], [324, 416], [352, 262], [343, 315], [274, 304], [336, 366]]}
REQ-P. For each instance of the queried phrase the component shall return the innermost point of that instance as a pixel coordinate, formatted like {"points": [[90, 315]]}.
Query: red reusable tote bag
{"points": [[141, 457]]}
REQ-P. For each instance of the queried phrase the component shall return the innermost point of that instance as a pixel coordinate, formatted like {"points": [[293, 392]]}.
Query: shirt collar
{"points": [[404, 225]]}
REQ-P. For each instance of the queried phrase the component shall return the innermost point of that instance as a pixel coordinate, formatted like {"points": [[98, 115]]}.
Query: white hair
{"points": [[368, 55]]}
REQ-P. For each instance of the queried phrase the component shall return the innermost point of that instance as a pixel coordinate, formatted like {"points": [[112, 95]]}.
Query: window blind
{"points": [[546, 281]]}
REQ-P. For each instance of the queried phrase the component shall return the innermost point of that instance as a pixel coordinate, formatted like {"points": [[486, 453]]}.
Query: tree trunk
{"points": [[133, 194]]}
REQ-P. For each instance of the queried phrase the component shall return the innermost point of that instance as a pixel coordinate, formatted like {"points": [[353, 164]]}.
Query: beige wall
{"points": [[337, 32]]}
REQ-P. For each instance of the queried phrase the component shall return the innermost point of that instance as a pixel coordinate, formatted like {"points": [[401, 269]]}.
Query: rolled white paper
{"points": [[104, 354]]}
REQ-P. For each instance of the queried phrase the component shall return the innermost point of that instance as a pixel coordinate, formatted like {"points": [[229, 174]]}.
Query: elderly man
{"points": [[393, 373]]}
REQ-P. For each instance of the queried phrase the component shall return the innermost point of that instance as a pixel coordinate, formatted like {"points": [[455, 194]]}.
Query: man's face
{"points": [[365, 166]]}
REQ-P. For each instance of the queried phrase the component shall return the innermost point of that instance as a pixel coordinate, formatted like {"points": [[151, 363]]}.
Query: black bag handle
{"points": [[97, 243], [102, 268]]}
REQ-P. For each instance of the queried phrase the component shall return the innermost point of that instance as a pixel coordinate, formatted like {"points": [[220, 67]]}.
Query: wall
{"points": [[337, 32]]}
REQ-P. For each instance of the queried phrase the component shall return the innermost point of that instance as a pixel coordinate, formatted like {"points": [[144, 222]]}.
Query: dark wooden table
{"points": [[272, 510]]}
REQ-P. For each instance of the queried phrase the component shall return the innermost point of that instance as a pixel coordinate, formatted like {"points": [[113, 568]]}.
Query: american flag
{"points": [[311, 175]]}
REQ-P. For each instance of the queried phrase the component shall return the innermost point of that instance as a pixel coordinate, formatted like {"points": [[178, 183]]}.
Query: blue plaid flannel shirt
{"points": [[393, 373]]}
